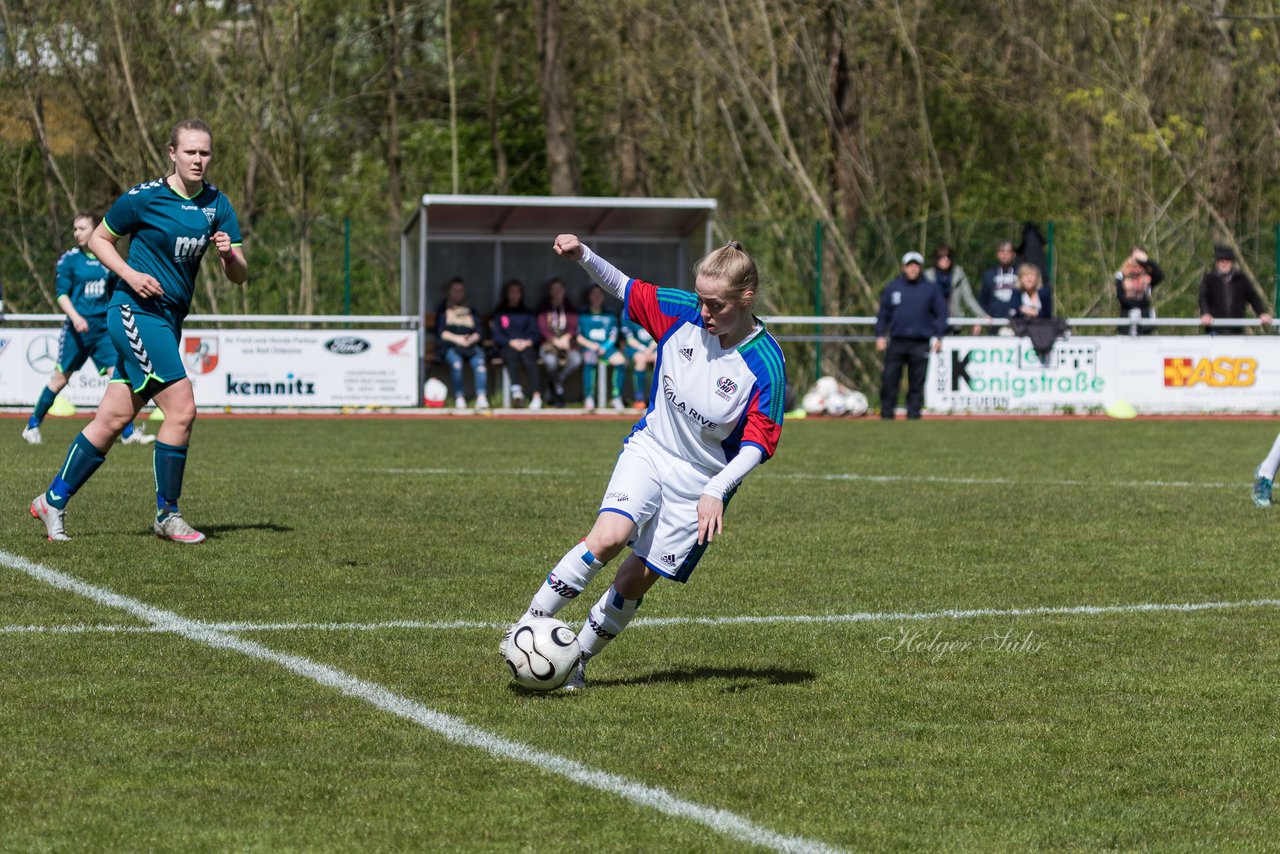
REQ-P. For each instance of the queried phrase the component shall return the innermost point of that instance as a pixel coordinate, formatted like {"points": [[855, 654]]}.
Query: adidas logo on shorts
{"points": [[669, 560]]}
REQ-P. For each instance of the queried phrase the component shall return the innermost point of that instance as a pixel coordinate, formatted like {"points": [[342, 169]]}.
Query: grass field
{"points": [[851, 714]]}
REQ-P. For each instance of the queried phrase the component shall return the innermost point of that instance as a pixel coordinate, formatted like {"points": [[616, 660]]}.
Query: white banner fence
{"points": [[243, 366], [1155, 374]]}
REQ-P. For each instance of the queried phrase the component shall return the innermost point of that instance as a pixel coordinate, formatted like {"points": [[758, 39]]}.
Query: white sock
{"points": [[606, 621], [1272, 462], [570, 577]]}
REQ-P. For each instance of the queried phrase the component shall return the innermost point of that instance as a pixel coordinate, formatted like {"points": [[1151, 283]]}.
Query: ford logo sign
{"points": [[347, 345]]}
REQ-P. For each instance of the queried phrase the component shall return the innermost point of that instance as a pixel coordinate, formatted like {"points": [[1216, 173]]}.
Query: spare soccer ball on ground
{"points": [[542, 653], [828, 397]]}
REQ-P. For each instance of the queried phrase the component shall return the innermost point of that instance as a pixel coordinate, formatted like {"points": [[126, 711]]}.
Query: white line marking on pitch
{"points": [[768, 619], [1002, 481], [867, 478], [449, 726]]}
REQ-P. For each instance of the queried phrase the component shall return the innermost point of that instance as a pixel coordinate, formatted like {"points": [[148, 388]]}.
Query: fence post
{"points": [[346, 266], [1276, 301], [1051, 253], [817, 296]]}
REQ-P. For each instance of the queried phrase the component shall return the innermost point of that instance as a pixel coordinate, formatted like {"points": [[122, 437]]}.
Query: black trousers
{"points": [[914, 354]]}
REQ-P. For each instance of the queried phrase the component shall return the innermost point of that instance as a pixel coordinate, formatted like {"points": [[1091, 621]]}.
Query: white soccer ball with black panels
{"points": [[542, 653], [855, 404]]}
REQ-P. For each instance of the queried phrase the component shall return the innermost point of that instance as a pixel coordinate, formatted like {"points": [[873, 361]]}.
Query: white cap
{"points": [[912, 258]]}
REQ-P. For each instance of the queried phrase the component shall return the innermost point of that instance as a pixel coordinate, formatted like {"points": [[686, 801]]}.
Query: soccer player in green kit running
{"points": [[171, 221], [84, 291]]}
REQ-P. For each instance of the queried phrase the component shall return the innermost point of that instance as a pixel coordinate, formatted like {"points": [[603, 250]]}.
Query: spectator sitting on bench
{"points": [[515, 333], [598, 338], [458, 328]]}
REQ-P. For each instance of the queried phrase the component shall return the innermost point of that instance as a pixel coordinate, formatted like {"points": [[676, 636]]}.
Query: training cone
{"points": [[1121, 409], [156, 415], [62, 407]]}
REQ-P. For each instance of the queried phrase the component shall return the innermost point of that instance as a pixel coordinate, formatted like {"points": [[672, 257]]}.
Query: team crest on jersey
{"points": [[208, 214], [726, 388], [200, 354]]}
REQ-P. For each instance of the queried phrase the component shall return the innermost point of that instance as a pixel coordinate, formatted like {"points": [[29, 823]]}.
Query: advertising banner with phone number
{"points": [[243, 367], [1155, 374]]}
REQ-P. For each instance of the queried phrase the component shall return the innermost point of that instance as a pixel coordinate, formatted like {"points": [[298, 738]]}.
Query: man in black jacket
{"points": [[1224, 290], [912, 319]]}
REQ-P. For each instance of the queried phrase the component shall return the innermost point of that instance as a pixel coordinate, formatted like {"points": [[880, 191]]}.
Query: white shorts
{"points": [[659, 492]]}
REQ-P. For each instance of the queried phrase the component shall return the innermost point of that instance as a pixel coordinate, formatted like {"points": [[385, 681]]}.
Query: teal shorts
{"points": [[147, 347], [76, 348]]}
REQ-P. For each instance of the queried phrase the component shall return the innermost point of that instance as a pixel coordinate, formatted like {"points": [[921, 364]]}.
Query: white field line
{"points": [[450, 727], [853, 476], [768, 619], [768, 475]]}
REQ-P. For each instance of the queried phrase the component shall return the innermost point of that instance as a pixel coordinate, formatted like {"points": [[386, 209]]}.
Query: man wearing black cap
{"points": [[1224, 290], [912, 318]]}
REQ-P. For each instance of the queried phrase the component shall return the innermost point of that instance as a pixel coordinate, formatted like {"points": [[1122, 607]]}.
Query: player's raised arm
{"points": [[603, 273]]}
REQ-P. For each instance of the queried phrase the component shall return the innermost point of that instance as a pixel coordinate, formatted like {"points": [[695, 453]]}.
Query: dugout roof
{"points": [[488, 240]]}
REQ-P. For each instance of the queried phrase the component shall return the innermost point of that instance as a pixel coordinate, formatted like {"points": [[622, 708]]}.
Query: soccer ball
{"points": [[542, 653], [855, 403]]}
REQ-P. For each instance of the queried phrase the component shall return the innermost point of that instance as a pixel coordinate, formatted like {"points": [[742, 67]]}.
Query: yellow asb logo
{"points": [[1223, 372]]}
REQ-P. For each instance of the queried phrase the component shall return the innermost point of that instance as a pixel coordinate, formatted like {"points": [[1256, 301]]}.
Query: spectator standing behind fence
{"points": [[1033, 299], [911, 321], [999, 294], [956, 290], [598, 338], [1224, 290], [515, 333], [1135, 280], [558, 323], [458, 329]]}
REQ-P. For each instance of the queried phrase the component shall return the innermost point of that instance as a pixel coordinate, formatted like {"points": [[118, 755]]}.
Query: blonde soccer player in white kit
{"points": [[714, 414]]}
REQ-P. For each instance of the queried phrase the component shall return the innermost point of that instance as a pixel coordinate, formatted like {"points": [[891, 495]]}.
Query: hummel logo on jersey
{"points": [[687, 352], [669, 560]]}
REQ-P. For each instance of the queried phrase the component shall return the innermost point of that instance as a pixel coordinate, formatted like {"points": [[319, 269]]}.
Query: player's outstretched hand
{"points": [[710, 518], [568, 246]]}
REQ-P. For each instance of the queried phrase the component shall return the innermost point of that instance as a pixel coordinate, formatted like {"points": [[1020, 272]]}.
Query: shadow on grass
{"points": [[741, 678], [216, 530]]}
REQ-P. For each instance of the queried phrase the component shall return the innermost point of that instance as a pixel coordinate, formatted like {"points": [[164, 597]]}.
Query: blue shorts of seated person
{"points": [[147, 347], [76, 348]]}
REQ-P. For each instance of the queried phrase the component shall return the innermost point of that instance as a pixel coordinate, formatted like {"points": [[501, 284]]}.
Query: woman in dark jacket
{"points": [[515, 332]]}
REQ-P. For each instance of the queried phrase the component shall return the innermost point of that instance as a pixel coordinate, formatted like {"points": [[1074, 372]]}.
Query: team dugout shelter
{"points": [[489, 240]]}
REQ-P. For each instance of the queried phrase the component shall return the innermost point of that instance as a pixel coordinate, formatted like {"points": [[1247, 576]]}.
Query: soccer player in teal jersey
{"points": [[642, 352], [84, 289], [598, 338], [170, 222]]}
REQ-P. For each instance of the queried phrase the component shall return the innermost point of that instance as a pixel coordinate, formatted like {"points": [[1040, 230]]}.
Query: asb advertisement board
{"points": [[243, 367], [1155, 374]]}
